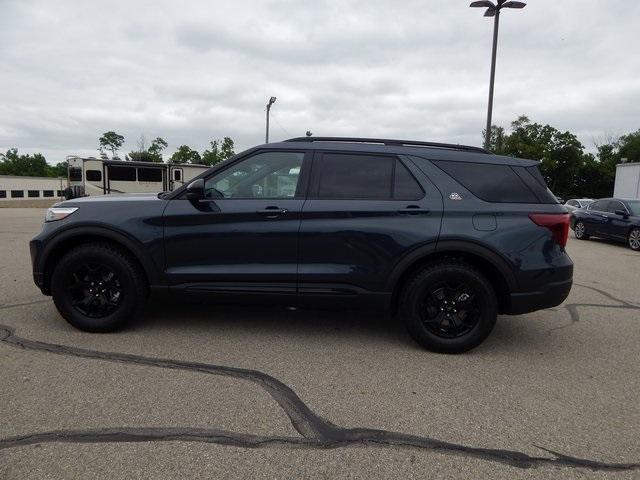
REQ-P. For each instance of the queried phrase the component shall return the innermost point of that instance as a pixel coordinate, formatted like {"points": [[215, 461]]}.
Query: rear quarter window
{"points": [[492, 182]]}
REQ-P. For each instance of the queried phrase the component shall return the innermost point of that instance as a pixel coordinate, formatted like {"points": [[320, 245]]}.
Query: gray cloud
{"points": [[193, 71]]}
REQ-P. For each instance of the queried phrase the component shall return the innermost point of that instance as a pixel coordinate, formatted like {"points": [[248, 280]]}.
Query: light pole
{"points": [[272, 100], [493, 10]]}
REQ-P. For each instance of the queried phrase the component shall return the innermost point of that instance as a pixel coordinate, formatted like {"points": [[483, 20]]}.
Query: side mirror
{"points": [[622, 213], [195, 190]]}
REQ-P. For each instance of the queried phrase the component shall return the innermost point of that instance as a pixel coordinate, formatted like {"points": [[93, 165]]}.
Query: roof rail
{"points": [[397, 143]]}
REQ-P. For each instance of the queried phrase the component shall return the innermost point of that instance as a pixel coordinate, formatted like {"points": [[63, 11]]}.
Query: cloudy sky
{"points": [[190, 71]]}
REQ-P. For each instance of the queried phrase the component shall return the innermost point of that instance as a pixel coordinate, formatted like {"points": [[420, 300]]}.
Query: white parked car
{"points": [[576, 203]]}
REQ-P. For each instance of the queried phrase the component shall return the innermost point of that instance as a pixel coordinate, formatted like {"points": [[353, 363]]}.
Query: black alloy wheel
{"points": [[450, 310], [98, 287], [95, 290]]}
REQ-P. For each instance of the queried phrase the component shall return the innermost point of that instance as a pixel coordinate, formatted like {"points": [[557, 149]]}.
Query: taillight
{"points": [[558, 223]]}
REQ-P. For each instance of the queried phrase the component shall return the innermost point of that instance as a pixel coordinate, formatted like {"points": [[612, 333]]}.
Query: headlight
{"points": [[58, 213]]}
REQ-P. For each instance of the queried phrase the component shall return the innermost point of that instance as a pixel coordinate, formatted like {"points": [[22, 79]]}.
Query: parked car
{"points": [[612, 218], [576, 203], [447, 236]]}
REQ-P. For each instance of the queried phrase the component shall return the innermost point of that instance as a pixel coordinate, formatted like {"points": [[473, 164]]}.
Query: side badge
{"points": [[455, 196]]}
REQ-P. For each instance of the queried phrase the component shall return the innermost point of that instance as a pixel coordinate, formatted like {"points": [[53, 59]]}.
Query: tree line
{"points": [[218, 151], [35, 165], [569, 170]]}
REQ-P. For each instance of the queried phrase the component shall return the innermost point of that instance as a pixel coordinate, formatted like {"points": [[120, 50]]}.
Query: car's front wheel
{"points": [[449, 307], [580, 231], [634, 239], [97, 287]]}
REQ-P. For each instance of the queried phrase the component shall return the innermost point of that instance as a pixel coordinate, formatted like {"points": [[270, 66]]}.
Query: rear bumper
{"points": [[551, 296]]}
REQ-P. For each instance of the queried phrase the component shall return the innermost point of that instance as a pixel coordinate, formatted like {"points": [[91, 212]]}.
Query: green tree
{"points": [[629, 147], [219, 152], [156, 148], [110, 141], [57, 170], [33, 165], [151, 154], [185, 154]]}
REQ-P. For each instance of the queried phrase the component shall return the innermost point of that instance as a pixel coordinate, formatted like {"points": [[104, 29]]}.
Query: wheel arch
{"points": [[64, 241], [488, 262]]}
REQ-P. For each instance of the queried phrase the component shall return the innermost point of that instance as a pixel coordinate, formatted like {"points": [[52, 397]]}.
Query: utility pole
{"points": [[272, 100], [493, 10]]}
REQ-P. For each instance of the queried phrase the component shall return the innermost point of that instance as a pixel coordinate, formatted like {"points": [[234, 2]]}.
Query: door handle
{"points": [[272, 212], [413, 210]]}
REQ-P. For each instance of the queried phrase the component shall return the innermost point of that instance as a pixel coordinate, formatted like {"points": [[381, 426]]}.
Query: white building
{"points": [[627, 181], [36, 190]]}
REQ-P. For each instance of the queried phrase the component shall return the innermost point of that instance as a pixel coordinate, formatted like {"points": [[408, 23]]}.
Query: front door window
{"points": [[269, 175]]}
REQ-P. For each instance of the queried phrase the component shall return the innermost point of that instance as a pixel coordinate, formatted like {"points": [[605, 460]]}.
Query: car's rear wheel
{"points": [[634, 239], [580, 232], [98, 288], [449, 307]]}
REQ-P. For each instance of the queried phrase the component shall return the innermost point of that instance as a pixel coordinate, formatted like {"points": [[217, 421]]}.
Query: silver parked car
{"points": [[576, 203]]}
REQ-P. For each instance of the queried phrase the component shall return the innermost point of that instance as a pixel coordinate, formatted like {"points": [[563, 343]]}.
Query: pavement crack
{"points": [[574, 313], [315, 431]]}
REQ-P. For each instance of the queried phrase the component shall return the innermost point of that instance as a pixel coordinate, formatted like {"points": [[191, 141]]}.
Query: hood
{"points": [[114, 197]]}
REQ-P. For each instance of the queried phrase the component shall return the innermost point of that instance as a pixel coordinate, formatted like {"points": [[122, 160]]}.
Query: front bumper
{"points": [[35, 248]]}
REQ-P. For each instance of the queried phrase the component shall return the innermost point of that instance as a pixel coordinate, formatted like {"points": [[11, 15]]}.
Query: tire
{"points": [[422, 307], [98, 288], [633, 240], [579, 230]]}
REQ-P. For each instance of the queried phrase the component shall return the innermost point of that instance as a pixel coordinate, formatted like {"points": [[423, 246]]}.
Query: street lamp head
{"points": [[272, 100], [492, 8]]}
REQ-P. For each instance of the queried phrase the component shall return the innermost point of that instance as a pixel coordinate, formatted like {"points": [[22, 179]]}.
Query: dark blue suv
{"points": [[446, 236]]}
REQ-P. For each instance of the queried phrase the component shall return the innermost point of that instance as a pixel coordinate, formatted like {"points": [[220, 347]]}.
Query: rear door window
{"points": [[350, 176], [405, 186], [615, 205], [492, 182]]}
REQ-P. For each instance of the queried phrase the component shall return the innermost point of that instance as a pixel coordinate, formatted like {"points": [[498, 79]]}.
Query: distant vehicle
{"points": [[448, 236], [576, 203], [96, 176], [612, 218]]}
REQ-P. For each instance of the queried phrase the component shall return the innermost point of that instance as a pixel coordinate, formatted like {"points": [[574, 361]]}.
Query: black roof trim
{"points": [[396, 143]]}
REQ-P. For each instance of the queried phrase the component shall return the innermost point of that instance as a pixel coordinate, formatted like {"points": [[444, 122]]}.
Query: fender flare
{"points": [[454, 246], [136, 248]]}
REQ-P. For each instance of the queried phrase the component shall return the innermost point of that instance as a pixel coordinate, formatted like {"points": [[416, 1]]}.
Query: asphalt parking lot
{"points": [[233, 392]]}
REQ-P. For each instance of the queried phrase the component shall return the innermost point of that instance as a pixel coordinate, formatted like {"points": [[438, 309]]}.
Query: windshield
{"points": [[584, 203], [634, 206]]}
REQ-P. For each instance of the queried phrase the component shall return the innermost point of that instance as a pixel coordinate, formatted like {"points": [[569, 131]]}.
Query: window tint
{"points": [[634, 205], [47, 193], [355, 176], [573, 203], [599, 206], [75, 174], [17, 193], [265, 175], [489, 182], [94, 175], [122, 174], [405, 186], [149, 175], [33, 193], [3, 194], [615, 205], [60, 193]]}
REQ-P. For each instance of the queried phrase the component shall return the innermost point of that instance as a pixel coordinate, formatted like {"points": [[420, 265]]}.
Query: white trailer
{"points": [[627, 181], [96, 176]]}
